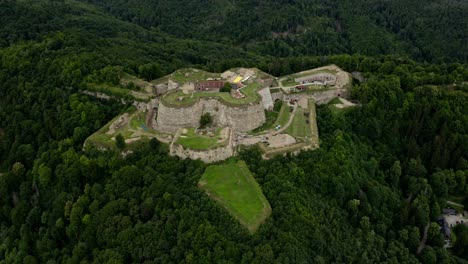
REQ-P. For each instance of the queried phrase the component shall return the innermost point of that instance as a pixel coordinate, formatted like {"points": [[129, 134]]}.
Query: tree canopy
{"points": [[371, 192]]}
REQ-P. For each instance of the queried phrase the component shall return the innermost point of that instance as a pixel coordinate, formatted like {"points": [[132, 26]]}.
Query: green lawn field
{"points": [[299, 127], [195, 141], [283, 116], [233, 186]]}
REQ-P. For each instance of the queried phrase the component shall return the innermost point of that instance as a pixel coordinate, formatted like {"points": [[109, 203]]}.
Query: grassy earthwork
{"points": [[193, 140], [274, 118], [119, 91], [179, 99], [284, 115], [192, 75], [289, 80], [300, 124], [234, 188], [134, 131]]}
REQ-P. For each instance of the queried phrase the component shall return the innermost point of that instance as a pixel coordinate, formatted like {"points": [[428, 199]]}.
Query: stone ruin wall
{"points": [[326, 96], [320, 97], [322, 77], [169, 119], [207, 156], [240, 118]]}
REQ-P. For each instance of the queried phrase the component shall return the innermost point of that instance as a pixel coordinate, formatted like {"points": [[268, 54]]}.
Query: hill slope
{"points": [[424, 30]]}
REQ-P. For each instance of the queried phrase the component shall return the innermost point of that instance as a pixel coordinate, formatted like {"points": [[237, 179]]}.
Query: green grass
{"points": [[138, 120], [233, 186], [335, 100], [283, 116], [276, 90], [299, 127], [193, 75], [289, 82], [116, 91], [271, 119], [109, 89], [171, 99], [193, 140], [314, 139], [101, 139]]}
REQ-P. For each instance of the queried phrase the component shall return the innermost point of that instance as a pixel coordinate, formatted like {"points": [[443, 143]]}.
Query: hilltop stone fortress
{"points": [[237, 101], [189, 94]]}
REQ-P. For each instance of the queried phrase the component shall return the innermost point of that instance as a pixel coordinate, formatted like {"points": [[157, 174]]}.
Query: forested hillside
{"points": [[369, 194], [425, 30]]}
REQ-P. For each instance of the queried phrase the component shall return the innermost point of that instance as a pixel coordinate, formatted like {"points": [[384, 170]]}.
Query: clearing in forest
{"points": [[233, 186]]}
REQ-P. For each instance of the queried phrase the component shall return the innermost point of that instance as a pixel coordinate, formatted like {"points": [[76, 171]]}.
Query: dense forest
{"points": [[425, 30], [369, 194]]}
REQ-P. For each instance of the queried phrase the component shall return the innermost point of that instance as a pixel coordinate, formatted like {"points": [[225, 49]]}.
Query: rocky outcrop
{"points": [[171, 85]]}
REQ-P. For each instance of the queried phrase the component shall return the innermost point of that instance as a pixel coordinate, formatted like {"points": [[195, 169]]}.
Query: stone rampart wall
{"points": [[267, 100], [320, 97], [240, 118], [207, 156]]}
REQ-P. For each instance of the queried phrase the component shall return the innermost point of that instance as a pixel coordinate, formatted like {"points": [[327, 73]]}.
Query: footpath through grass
{"points": [[300, 124], [233, 186]]}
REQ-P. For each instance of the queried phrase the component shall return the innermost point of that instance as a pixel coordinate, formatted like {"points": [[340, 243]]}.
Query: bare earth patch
{"points": [[281, 140]]}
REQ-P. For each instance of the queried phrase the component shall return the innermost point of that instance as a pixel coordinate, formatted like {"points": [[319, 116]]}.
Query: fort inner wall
{"points": [[241, 118], [320, 97]]}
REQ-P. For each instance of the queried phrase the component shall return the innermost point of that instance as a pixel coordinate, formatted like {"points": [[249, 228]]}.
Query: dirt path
{"points": [[150, 118], [455, 204], [422, 244], [344, 103], [291, 117]]}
